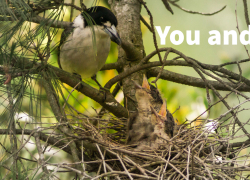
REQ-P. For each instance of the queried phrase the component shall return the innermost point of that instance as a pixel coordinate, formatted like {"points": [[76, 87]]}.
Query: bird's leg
{"points": [[94, 78], [100, 86], [80, 86]]}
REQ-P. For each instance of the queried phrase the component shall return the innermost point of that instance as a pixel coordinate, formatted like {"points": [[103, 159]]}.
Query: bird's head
{"points": [[159, 118], [101, 16], [152, 91]]}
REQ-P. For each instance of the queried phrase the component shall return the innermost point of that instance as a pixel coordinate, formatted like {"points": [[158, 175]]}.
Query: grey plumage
{"points": [[146, 127], [64, 36], [85, 45], [157, 103]]}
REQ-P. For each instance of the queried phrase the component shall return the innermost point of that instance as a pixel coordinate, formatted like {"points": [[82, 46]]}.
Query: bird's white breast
{"points": [[78, 55]]}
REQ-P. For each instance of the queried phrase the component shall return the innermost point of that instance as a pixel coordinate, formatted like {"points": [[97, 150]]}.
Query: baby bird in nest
{"points": [[157, 102], [139, 124], [147, 127]]}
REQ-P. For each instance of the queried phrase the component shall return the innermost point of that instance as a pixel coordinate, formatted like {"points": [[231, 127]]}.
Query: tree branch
{"points": [[39, 19], [106, 99], [132, 45], [246, 12], [41, 161], [196, 12], [51, 140], [193, 81], [167, 6], [54, 104], [146, 24], [131, 52]]}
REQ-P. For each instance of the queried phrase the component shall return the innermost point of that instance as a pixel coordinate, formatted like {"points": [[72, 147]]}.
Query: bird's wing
{"points": [[170, 124], [64, 36], [155, 94]]}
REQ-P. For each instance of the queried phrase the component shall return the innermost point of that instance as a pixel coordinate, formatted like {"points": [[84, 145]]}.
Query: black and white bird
{"points": [[81, 52]]}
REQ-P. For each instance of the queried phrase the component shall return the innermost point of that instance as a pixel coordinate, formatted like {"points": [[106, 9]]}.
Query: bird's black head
{"points": [[100, 15], [103, 17]]}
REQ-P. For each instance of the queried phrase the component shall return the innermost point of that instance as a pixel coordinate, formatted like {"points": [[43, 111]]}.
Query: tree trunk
{"points": [[128, 16]]}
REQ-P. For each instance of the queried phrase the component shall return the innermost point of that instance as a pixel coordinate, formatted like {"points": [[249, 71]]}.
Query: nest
{"points": [[194, 153]]}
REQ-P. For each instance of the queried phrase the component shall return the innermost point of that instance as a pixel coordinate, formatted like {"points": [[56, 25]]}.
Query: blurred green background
{"points": [[190, 101]]}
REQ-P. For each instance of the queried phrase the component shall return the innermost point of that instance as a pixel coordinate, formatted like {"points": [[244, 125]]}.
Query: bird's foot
{"points": [[102, 89], [94, 78], [100, 86], [79, 86]]}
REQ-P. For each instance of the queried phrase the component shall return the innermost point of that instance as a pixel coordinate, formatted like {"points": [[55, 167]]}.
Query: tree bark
{"points": [[128, 16]]}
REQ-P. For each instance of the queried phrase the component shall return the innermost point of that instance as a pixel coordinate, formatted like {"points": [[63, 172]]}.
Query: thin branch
{"points": [[146, 24], [73, 6], [162, 67], [153, 30], [237, 26], [12, 128], [198, 68], [235, 62], [115, 173], [51, 140], [39, 19], [196, 12], [103, 159], [41, 161], [183, 79], [131, 52], [54, 104], [72, 10], [246, 12], [192, 81], [167, 6], [106, 99]]}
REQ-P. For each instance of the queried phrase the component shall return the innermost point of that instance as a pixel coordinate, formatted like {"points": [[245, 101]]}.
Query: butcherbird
{"points": [[84, 47]]}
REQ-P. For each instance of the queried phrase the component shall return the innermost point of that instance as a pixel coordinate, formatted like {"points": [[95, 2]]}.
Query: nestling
{"points": [[147, 127], [157, 102]]}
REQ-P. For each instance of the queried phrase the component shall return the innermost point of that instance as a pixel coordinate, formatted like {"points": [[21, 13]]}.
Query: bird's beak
{"points": [[114, 36], [145, 83], [137, 86], [163, 111]]}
